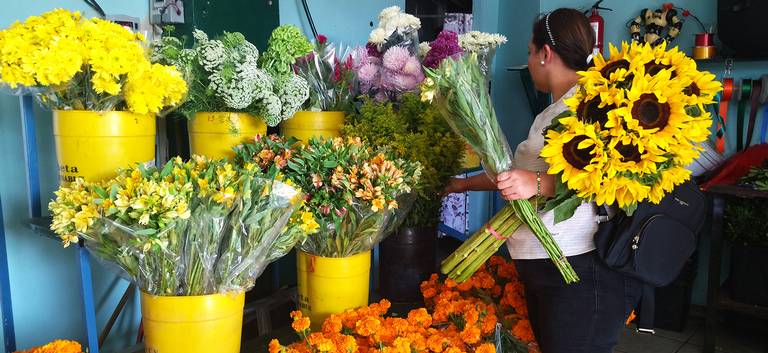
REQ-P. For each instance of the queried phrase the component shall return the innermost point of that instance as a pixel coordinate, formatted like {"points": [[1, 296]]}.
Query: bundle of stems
{"points": [[458, 88]]}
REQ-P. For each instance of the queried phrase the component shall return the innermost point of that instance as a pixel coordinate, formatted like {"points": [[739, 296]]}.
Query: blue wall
{"points": [[44, 277], [345, 22]]}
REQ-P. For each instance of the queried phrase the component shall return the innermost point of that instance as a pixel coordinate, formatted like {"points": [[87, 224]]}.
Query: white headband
{"points": [[549, 31]]}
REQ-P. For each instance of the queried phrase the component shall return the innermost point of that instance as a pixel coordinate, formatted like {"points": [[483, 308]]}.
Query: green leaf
{"points": [[630, 209], [330, 164], [566, 209], [100, 191], [113, 192], [148, 231], [167, 169]]}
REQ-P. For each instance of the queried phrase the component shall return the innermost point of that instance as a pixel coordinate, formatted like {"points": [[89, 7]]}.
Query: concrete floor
{"points": [[729, 340]]}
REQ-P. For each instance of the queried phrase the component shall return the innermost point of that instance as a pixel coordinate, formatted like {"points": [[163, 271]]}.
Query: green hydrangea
{"points": [[285, 45]]}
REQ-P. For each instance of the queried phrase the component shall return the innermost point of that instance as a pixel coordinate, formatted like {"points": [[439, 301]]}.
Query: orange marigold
{"points": [[300, 324], [420, 317], [274, 346], [486, 348], [523, 331], [367, 326], [470, 335], [332, 324]]}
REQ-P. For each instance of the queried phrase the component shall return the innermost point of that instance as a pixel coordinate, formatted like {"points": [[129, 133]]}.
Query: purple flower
{"points": [[372, 50], [412, 66], [395, 58], [445, 45]]}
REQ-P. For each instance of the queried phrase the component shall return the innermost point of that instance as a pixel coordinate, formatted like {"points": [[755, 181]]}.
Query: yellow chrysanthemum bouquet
{"points": [[72, 63], [191, 228], [634, 125]]}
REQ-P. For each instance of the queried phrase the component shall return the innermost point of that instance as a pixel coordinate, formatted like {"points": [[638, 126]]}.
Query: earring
{"points": [[542, 63]]}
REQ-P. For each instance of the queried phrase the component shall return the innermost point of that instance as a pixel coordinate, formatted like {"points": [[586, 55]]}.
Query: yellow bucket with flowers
{"points": [[215, 134], [193, 324], [93, 145], [332, 285], [306, 124]]}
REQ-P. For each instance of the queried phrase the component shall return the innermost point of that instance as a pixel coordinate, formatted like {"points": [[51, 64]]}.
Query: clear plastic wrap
{"points": [[358, 231], [407, 37], [217, 249], [328, 76]]}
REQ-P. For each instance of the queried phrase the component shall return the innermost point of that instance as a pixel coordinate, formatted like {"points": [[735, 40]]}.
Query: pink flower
{"points": [[321, 39], [395, 58], [399, 81], [368, 73], [412, 66]]}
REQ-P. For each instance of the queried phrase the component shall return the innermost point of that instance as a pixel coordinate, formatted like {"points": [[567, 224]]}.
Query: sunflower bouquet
{"points": [[71, 63], [357, 195], [456, 87], [227, 74], [191, 228], [632, 128]]}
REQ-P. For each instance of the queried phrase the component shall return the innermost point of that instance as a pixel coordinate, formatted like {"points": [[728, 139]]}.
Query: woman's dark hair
{"points": [[568, 33]]}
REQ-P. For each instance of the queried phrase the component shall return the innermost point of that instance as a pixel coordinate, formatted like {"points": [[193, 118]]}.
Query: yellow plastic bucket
{"points": [[215, 134], [194, 324], [93, 145], [305, 125], [332, 285]]}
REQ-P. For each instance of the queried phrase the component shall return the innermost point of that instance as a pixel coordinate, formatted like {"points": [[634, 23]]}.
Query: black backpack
{"points": [[654, 243]]}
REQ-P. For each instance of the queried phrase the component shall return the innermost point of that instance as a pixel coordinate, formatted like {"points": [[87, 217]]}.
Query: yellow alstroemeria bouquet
{"points": [[72, 63], [634, 125], [191, 228]]}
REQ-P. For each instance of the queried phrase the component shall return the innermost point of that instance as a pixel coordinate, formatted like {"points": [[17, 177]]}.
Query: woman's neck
{"points": [[562, 82]]}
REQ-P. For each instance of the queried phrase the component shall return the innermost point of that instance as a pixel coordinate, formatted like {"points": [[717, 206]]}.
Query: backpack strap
{"points": [[645, 316], [602, 214]]}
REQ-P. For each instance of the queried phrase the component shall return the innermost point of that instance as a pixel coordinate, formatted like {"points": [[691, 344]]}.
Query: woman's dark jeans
{"points": [[585, 317]]}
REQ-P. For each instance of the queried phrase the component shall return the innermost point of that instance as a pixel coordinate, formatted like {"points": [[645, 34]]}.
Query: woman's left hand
{"points": [[517, 184]]}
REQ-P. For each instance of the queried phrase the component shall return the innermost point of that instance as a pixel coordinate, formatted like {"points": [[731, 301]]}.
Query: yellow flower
{"points": [[578, 153], [225, 196], [308, 223], [621, 190]]}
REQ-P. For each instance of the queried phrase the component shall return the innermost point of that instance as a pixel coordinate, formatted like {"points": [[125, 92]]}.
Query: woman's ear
{"points": [[546, 50]]}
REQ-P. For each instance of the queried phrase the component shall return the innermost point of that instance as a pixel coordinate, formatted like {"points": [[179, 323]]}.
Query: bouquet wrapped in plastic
{"points": [[190, 228], [71, 63], [357, 195], [328, 71], [389, 65], [395, 28], [484, 45], [456, 89]]}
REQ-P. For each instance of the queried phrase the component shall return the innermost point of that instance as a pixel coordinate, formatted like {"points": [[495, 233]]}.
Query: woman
{"points": [[585, 317]]}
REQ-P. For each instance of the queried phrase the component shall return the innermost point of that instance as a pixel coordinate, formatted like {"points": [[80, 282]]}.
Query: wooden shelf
{"points": [[737, 191]]}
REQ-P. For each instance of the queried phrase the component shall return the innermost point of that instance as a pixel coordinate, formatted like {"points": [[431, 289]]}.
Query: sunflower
{"points": [[669, 178], [622, 190], [607, 73], [629, 155], [577, 152], [655, 110], [702, 88], [594, 109]]}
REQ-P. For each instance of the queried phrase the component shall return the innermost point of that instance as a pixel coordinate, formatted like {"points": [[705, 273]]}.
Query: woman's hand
{"points": [[517, 184], [455, 186]]}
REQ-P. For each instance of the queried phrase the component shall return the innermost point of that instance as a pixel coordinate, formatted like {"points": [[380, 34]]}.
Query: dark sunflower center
{"points": [[629, 153], [650, 113], [653, 68], [578, 158], [692, 90], [610, 68], [590, 111]]}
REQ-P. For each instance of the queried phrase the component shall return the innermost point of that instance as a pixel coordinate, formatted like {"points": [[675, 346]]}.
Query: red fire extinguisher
{"points": [[598, 25]]}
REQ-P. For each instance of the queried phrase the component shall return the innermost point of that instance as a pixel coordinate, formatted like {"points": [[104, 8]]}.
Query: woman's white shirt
{"points": [[574, 235]]}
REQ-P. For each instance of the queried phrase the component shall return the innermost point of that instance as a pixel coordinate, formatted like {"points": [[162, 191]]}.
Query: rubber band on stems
{"points": [[494, 232]]}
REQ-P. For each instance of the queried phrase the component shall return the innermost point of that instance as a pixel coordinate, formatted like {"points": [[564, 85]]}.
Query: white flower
{"points": [[211, 55], [293, 93], [478, 41], [424, 49], [388, 13], [271, 109], [199, 36], [378, 36]]}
